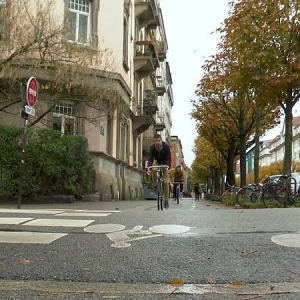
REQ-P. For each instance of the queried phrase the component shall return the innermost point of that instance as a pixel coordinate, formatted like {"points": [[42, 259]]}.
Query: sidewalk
{"points": [[80, 205]]}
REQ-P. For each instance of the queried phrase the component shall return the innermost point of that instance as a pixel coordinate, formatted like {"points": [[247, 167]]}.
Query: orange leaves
{"points": [[176, 282]]}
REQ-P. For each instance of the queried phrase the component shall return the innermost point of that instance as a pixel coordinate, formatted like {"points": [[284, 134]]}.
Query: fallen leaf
{"points": [[209, 281], [23, 261], [243, 253], [237, 284], [176, 282]]}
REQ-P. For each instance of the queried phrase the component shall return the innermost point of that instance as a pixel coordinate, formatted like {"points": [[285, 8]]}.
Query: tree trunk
{"points": [[257, 146], [243, 159], [230, 177], [287, 161]]}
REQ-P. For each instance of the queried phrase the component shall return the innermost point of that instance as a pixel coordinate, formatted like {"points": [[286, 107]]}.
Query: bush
{"points": [[53, 164]]}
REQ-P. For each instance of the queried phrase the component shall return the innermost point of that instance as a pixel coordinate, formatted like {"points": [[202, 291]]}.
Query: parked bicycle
{"points": [[249, 194], [160, 187], [283, 193]]}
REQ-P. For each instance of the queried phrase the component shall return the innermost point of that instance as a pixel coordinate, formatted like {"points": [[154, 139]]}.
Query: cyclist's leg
{"points": [[174, 191], [166, 182]]}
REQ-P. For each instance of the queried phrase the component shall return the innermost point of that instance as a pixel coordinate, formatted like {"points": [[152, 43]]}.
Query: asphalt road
{"points": [[129, 250]]}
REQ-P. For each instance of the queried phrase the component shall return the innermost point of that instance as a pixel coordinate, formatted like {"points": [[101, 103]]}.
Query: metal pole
{"points": [[22, 157]]}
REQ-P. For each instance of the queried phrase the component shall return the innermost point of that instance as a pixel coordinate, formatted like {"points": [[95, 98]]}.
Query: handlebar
{"points": [[159, 166]]}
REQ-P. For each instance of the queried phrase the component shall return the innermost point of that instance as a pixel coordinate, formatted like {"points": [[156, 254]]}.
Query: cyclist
{"points": [[177, 177], [160, 154]]}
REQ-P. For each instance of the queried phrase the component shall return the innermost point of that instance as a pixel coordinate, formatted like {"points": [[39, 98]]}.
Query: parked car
{"points": [[297, 177]]}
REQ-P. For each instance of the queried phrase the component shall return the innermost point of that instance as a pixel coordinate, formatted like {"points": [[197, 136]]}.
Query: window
{"points": [[79, 21], [64, 118]]}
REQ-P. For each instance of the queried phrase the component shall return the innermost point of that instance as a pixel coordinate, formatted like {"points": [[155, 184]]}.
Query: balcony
{"points": [[145, 59], [160, 122], [146, 11], [144, 116], [150, 102], [160, 85], [161, 49]]}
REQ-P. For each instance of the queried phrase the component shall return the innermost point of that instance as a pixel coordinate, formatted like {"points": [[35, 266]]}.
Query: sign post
{"points": [[29, 94]]}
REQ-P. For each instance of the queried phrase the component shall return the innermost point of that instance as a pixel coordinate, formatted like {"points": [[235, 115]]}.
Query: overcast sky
{"points": [[189, 25]]}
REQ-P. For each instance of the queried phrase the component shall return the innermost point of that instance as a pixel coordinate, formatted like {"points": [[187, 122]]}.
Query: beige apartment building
{"points": [[106, 77]]}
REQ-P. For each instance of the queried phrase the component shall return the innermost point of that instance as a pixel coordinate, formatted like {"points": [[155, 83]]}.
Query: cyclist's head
{"points": [[157, 140], [178, 168]]}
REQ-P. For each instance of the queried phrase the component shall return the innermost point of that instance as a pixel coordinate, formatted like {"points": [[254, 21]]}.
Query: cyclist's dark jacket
{"points": [[162, 157]]}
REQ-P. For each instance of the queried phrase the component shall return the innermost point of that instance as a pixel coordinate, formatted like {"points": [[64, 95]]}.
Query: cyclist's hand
{"points": [[149, 172]]}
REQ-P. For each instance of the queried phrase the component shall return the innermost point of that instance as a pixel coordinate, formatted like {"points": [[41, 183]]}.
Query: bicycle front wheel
{"points": [[243, 197], [159, 196], [275, 196]]}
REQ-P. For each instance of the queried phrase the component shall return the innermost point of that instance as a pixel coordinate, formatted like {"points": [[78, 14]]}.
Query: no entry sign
{"points": [[31, 92]]}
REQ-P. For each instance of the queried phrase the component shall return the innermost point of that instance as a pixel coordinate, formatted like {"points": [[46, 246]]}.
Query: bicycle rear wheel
{"points": [[159, 196], [275, 195], [243, 196]]}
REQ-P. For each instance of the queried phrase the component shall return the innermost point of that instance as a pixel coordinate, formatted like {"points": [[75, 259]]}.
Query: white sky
{"points": [[188, 26]]}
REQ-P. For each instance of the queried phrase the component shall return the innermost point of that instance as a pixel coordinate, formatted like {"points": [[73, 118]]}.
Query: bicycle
{"points": [[161, 203], [249, 194], [178, 193], [282, 193], [230, 193]]}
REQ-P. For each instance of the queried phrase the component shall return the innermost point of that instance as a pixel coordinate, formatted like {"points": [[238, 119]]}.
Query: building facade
{"points": [[127, 76], [272, 151]]}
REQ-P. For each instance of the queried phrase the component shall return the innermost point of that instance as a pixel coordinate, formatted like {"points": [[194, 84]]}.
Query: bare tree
{"points": [[34, 41]]}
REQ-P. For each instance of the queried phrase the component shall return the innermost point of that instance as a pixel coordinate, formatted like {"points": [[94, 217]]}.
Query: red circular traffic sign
{"points": [[31, 92]]}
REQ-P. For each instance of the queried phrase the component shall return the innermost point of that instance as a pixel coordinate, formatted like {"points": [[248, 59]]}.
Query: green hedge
{"points": [[53, 164]]}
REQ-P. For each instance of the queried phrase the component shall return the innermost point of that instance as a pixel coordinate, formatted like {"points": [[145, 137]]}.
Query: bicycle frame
{"points": [[282, 193], [160, 200]]}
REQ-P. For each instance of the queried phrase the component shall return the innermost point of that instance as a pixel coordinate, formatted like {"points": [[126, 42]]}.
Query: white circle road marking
{"points": [[169, 229], [104, 228], [287, 240]]}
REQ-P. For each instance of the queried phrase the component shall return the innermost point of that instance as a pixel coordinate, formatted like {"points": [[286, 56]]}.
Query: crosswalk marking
{"points": [[59, 222], [56, 220], [13, 221], [31, 211], [83, 214], [84, 210], [29, 237]]}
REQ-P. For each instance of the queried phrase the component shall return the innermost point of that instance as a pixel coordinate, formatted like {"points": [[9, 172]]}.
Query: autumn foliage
{"points": [[254, 72]]}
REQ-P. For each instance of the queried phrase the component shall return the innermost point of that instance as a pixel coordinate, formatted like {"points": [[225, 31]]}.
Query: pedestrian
{"points": [[197, 191]]}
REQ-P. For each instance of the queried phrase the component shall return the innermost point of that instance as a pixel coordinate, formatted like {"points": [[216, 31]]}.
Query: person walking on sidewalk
{"points": [[197, 191], [160, 154]]}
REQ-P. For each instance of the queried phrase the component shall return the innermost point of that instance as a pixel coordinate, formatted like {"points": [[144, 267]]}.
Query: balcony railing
{"points": [[145, 59], [160, 123], [150, 102], [161, 49], [160, 85]]}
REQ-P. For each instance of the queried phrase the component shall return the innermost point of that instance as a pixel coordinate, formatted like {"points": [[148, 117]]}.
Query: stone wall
{"points": [[115, 179]]}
